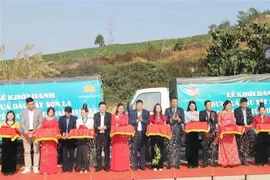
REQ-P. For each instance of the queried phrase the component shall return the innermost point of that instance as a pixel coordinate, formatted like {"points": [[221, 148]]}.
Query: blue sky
{"points": [[55, 26]]}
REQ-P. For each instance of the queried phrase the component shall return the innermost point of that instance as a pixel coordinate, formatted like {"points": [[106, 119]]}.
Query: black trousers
{"points": [[139, 144], [262, 148], [68, 147], [157, 141], [103, 141], [9, 155], [192, 149], [83, 155]]}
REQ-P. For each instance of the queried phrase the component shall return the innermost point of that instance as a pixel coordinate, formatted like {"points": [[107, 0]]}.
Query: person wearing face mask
{"points": [[176, 119], [139, 119], [66, 123], [192, 138], [120, 142], [209, 151], [228, 152], [243, 116], [261, 143], [83, 145], [102, 126]]}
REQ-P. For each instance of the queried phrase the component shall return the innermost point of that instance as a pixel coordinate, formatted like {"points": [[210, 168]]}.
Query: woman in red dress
{"points": [[228, 151], [48, 158], [262, 144], [157, 141], [120, 143]]}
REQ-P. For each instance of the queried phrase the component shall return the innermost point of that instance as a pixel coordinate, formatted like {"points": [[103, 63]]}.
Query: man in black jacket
{"points": [[209, 150], [176, 119], [139, 119], [66, 123], [102, 126], [243, 116]]}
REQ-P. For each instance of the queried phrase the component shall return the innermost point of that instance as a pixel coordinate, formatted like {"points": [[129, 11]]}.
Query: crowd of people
{"points": [[230, 151]]}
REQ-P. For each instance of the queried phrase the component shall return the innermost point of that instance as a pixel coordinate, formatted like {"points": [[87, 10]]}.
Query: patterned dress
{"points": [[228, 151], [48, 158]]}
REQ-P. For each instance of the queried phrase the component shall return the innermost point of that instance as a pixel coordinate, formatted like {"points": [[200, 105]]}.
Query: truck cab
{"points": [[150, 97]]}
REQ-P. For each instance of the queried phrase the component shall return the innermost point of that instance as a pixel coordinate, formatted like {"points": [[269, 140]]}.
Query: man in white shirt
{"points": [[31, 119], [139, 119], [102, 126]]}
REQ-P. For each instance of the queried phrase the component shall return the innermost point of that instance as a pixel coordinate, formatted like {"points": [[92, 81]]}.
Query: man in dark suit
{"points": [[66, 123], [209, 150], [102, 126], [139, 119], [176, 119], [243, 116]]}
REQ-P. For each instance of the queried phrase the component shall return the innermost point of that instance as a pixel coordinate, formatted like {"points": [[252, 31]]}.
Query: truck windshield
{"points": [[149, 100]]}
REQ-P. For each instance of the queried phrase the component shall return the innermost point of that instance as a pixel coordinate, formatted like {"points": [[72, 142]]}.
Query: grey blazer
{"points": [[25, 119]]}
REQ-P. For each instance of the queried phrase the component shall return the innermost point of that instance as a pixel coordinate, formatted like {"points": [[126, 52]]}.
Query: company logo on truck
{"points": [[193, 91]]}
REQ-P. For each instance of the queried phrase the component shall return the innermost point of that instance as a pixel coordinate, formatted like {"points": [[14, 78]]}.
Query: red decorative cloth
{"points": [[262, 128], [46, 134], [81, 133], [196, 126], [122, 130], [8, 132], [159, 130], [231, 129]]}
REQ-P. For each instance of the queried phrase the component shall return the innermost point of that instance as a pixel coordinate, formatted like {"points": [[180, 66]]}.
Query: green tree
{"points": [[226, 57], [100, 40]]}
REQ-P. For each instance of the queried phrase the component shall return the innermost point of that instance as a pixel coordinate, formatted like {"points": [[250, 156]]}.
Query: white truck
{"points": [[256, 88]]}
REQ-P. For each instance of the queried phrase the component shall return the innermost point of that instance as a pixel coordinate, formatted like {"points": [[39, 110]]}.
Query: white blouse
{"points": [[89, 123]]}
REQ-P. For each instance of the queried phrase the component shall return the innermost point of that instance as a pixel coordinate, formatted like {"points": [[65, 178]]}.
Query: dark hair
{"points": [[84, 107], [226, 103], [118, 105], [192, 102], [207, 101], [174, 98], [29, 99], [243, 99], [12, 112], [155, 110], [102, 103], [50, 108], [68, 109], [139, 101], [261, 106]]}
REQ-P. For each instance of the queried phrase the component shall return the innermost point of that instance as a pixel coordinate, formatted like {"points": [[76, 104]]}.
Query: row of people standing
{"points": [[228, 155]]}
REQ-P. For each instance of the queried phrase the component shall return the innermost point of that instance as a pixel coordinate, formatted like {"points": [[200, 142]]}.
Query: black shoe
{"points": [[177, 167], [11, 174], [70, 171], [169, 167], [189, 166], [5, 174], [204, 165], [106, 169], [64, 171], [98, 169], [134, 169], [142, 168]]}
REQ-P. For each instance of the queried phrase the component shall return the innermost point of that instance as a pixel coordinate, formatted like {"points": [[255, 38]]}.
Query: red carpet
{"points": [[147, 174]]}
